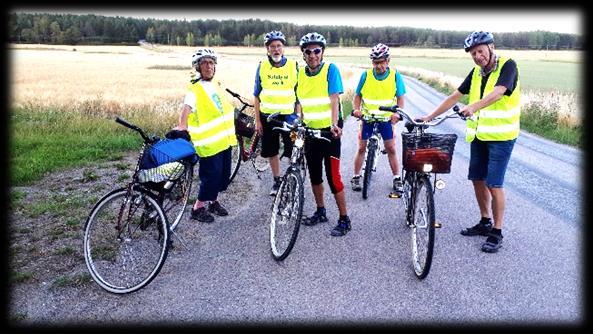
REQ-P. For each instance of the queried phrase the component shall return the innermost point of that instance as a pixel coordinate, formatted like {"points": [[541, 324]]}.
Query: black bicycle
{"points": [[423, 153], [127, 233], [372, 152], [249, 141], [287, 209]]}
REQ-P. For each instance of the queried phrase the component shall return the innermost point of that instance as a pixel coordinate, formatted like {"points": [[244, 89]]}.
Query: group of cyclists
{"points": [[313, 93]]}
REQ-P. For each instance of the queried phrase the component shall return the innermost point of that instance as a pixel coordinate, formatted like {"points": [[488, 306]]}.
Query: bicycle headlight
{"points": [[427, 168], [299, 142]]}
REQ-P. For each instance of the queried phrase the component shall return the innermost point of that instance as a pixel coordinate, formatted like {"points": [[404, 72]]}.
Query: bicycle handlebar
{"points": [[286, 127], [415, 122], [240, 98], [135, 128], [369, 118]]}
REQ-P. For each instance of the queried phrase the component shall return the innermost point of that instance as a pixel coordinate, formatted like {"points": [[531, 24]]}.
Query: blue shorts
{"points": [[488, 161], [385, 129]]}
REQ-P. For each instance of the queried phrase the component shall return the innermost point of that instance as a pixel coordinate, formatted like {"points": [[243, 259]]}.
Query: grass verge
{"points": [[539, 118]]}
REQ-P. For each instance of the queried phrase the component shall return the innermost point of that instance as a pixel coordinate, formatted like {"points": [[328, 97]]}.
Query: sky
{"points": [[562, 20]]}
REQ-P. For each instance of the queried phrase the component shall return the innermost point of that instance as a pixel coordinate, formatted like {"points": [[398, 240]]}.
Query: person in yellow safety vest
{"points": [[318, 93], [274, 92], [209, 119], [378, 86], [494, 110]]}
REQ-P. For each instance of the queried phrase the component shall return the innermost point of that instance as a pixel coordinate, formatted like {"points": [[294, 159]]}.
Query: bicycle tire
{"points": [[422, 231], [287, 212], [236, 157], [368, 168], [126, 262], [175, 199], [260, 163]]}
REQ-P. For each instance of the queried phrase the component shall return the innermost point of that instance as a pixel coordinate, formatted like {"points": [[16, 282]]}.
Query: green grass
{"points": [[44, 141], [536, 118]]}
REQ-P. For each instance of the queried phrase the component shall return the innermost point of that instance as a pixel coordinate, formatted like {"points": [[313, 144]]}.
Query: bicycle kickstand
{"points": [[180, 240]]}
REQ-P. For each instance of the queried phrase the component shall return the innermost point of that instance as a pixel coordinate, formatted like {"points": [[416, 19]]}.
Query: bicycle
{"points": [[287, 208], [423, 153], [372, 152], [246, 137], [127, 233]]}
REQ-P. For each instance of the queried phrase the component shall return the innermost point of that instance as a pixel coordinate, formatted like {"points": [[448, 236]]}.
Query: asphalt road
{"points": [[228, 277]]}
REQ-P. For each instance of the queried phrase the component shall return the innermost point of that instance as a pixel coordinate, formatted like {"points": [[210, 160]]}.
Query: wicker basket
{"points": [[429, 148], [244, 125]]}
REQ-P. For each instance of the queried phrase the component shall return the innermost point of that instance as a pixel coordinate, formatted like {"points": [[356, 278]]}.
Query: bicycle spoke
{"points": [[125, 258]]}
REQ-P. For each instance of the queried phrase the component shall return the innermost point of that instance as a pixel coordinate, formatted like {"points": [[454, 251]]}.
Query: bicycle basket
{"points": [[168, 150], [429, 148], [244, 125], [166, 172]]}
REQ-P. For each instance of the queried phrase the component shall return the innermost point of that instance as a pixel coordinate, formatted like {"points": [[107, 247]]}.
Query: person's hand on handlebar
{"points": [[426, 118], [357, 113], [468, 111], [394, 118]]}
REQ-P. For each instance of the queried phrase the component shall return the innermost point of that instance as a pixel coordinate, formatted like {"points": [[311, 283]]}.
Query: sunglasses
{"points": [[315, 51]]}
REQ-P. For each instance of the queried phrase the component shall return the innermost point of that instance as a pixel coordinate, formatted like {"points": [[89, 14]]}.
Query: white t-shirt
{"points": [[190, 97]]}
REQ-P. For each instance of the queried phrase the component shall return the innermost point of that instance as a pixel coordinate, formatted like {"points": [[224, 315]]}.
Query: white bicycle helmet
{"points": [[274, 36], [380, 51], [203, 53], [312, 38], [477, 38]]}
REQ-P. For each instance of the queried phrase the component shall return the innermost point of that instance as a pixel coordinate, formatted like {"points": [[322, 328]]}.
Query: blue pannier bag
{"points": [[168, 150]]}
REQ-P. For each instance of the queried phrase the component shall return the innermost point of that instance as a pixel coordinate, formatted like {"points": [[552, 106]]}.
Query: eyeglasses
{"points": [[315, 51]]}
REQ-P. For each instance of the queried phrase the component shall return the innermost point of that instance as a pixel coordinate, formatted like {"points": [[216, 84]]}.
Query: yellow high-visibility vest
{"points": [[212, 125], [500, 120], [377, 93], [278, 85], [312, 92]]}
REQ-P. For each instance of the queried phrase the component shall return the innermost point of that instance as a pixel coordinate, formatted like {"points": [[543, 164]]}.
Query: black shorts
{"points": [[270, 142], [321, 153]]}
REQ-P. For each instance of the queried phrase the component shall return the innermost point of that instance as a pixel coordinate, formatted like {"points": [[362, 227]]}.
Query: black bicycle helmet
{"points": [[274, 36], [477, 38]]}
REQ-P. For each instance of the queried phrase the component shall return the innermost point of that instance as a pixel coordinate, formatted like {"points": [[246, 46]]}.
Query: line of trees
{"points": [[96, 29]]}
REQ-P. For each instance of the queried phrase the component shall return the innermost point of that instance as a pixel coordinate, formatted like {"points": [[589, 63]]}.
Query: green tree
{"points": [[189, 39]]}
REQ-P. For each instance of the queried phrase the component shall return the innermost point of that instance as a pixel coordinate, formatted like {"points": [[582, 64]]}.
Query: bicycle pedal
{"points": [[437, 225], [394, 195]]}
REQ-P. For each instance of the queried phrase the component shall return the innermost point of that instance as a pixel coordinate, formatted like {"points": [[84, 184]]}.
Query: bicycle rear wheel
{"points": [[422, 229], [368, 168], [236, 157], [287, 211], [175, 199], [126, 239]]}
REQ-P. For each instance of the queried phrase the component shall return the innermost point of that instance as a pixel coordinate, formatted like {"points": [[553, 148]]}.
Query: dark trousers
{"points": [[215, 172]]}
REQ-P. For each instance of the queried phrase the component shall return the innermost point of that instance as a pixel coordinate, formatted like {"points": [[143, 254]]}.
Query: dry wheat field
{"points": [[125, 79]]}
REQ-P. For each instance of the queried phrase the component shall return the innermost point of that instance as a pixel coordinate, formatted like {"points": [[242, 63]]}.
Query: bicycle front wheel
{"points": [[175, 199], [286, 215], [368, 169], [126, 240], [422, 228], [236, 156]]}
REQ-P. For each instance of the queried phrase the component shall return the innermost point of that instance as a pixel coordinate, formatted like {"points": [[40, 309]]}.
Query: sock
{"points": [[344, 218], [356, 176], [396, 176], [321, 210], [485, 220], [277, 178]]}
